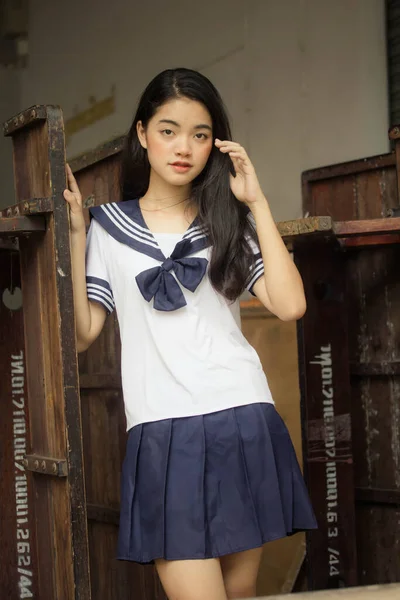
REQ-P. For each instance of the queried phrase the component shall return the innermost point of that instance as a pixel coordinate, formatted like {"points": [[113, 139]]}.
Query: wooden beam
{"points": [[367, 227], [33, 206], [377, 496], [363, 241], [305, 227], [14, 226], [30, 116], [87, 159], [374, 369], [100, 381]]}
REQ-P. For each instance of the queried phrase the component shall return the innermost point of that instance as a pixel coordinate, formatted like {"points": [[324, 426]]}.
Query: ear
{"points": [[141, 133]]}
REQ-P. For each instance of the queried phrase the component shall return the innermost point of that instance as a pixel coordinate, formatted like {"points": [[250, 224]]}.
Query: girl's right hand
{"points": [[74, 199]]}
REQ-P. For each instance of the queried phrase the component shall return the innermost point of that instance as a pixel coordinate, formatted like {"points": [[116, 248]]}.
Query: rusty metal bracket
{"points": [[45, 465]]}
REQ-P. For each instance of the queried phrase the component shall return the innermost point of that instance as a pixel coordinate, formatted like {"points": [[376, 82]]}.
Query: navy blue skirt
{"points": [[205, 486]]}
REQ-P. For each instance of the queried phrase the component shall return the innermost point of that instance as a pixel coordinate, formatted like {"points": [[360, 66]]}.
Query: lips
{"points": [[181, 166]]}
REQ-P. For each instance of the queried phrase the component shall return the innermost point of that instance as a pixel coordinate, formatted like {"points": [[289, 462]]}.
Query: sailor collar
{"points": [[125, 223]]}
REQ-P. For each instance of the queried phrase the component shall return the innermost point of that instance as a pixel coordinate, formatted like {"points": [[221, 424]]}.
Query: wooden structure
{"points": [[349, 346], [62, 480]]}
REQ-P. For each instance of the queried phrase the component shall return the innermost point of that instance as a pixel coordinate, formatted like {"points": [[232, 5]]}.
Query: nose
{"points": [[183, 147]]}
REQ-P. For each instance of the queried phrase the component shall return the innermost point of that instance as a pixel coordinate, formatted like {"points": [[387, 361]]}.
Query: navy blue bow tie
{"points": [[125, 223], [160, 284]]}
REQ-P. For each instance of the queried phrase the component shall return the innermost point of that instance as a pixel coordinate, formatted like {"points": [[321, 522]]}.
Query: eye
{"points": [[167, 132], [201, 136]]}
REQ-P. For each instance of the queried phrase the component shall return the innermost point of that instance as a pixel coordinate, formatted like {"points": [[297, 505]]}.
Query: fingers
{"points": [[224, 145], [73, 186], [234, 149], [69, 196], [72, 195]]}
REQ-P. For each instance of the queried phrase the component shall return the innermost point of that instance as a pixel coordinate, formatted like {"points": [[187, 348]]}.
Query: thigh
{"points": [[192, 579], [240, 572]]}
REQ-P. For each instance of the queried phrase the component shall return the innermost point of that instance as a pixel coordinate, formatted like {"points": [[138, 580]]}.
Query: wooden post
{"points": [[55, 448], [325, 399], [18, 575]]}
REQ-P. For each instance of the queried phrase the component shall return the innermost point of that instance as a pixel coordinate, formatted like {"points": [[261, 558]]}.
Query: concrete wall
{"points": [[9, 105], [304, 80]]}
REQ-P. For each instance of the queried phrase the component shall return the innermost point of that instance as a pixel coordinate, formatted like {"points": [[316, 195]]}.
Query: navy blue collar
{"points": [[124, 222]]}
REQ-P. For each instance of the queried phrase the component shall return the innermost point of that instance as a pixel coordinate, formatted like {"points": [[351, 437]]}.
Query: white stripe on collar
{"points": [[126, 226]]}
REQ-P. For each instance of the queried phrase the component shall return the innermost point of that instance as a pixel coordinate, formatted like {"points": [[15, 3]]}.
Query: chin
{"points": [[179, 180]]}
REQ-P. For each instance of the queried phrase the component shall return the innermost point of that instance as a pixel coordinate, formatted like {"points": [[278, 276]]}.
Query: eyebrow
{"points": [[170, 122]]}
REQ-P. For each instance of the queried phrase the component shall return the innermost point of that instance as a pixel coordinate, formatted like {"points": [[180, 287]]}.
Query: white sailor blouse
{"points": [[183, 352]]}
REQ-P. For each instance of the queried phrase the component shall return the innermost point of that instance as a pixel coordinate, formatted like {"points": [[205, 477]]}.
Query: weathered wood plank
{"points": [[377, 496], [366, 227], [14, 226], [326, 406], [374, 369], [30, 116], [67, 385], [39, 167], [368, 190], [300, 227], [364, 241], [354, 167], [33, 206], [17, 516], [102, 152], [361, 189]]}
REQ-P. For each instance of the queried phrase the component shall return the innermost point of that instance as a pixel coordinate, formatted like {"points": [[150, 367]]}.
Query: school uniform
{"points": [[209, 468]]}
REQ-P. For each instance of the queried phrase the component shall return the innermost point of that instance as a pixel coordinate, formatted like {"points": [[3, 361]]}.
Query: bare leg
{"points": [[192, 579], [240, 571]]}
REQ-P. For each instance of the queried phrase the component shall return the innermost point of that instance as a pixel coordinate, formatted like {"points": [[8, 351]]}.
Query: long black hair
{"points": [[219, 211]]}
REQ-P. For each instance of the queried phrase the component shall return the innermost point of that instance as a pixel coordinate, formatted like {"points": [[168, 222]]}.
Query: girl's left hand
{"points": [[245, 185]]}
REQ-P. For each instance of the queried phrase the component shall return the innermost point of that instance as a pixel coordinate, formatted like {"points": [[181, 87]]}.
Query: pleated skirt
{"points": [[205, 486]]}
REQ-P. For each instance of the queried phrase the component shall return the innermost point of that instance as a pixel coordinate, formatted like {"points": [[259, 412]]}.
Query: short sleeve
{"points": [[97, 276], [257, 269]]}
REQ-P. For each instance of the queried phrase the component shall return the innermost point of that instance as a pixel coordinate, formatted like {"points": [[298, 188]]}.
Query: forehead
{"points": [[184, 111]]}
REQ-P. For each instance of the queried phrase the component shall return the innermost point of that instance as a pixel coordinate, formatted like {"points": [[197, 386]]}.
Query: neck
{"points": [[161, 194]]}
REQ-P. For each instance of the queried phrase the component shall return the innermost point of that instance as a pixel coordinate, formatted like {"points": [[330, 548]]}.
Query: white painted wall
{"points": [[304, 80]]}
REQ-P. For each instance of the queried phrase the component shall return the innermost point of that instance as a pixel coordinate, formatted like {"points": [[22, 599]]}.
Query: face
{"points": [[178, 139]]}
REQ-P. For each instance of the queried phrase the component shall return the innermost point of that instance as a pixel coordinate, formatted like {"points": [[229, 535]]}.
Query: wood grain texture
{"points": [[14, 226], [361, 189], [17, 513], [362, 192], [39, 167], [326, 408]]}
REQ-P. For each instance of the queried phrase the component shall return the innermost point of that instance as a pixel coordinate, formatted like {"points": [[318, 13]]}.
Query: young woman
{"points": [[210, 474]]}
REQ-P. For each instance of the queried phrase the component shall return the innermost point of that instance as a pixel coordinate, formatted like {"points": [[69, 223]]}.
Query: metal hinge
{"points": [[46, 466]]}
